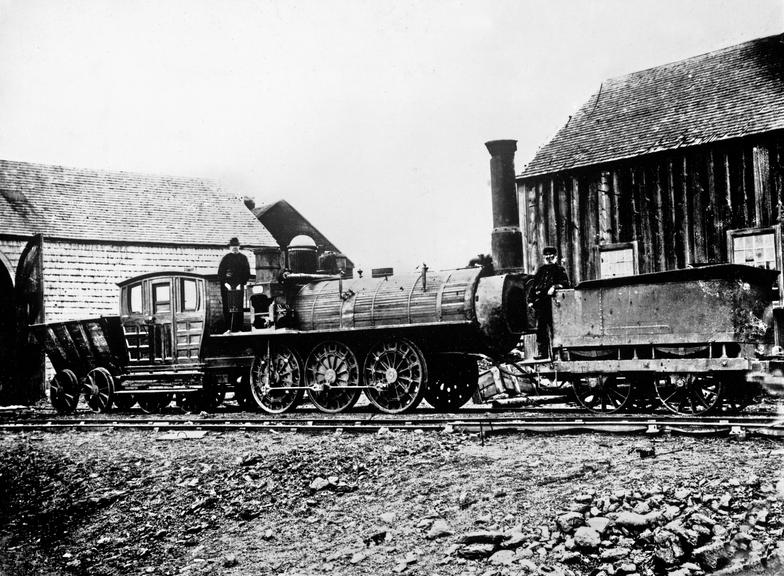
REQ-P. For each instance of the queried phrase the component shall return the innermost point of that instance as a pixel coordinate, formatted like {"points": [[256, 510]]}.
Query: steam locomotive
{"points": [[682, 338]]}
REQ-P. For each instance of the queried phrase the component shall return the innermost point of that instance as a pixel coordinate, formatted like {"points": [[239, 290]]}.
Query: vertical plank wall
{"points": [[677, 205]]}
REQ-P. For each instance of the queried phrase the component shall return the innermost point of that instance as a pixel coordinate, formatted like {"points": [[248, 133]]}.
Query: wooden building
{"points": [[674, 166], [68, 236]]}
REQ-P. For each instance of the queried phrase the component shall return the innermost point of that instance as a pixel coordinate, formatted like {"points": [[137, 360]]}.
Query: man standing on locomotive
{"points": [[233, 274], [549, 276]]}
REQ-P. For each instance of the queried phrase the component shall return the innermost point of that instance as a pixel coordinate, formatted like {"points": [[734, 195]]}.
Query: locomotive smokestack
{"points": [[506, 238]]}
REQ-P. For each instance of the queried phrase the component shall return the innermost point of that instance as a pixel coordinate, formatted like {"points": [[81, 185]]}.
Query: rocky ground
{"points": [[109, 503]]}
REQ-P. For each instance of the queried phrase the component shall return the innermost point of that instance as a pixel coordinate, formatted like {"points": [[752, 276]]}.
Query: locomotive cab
{"points": [[163, 317]]}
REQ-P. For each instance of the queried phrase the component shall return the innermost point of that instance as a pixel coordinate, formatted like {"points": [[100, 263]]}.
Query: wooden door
{"points": [[29, 297], [162, 301], [189, 317]]}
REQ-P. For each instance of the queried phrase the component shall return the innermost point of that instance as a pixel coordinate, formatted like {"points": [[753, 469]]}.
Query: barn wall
{"points": [[80, 279], [677, 205]]}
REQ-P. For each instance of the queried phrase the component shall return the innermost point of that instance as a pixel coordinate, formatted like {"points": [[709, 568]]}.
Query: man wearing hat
{"points": [[549, 276], [233, 274]]}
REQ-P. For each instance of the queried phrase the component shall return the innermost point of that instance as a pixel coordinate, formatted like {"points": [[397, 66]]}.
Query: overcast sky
{"points": [[370, 117]]}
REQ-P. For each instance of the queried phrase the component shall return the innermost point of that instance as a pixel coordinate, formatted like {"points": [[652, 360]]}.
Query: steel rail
{"points": [[770, 427]]}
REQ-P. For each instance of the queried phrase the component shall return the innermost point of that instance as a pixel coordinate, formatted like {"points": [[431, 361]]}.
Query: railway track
{"points": [[484, 425]]}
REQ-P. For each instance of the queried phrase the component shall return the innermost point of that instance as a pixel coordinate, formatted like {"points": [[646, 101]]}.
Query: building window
{"points": [[755, 247], [189, 295], [161, 298], [135, 299], [618, 259]]}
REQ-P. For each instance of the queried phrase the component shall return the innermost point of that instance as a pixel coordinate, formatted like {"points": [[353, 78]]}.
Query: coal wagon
{"points": [[151, 353]]}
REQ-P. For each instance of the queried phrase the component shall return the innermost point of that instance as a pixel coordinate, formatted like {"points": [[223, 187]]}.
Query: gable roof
{"points": [[733, 92], [284, 222], [98, 205]]}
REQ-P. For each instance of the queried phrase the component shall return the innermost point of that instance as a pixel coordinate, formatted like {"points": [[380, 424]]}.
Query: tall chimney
{"points": [[506, 239]]}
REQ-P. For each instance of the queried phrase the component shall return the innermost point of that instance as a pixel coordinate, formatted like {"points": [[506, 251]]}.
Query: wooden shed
{"points": [[68, 236], [669, 167]]}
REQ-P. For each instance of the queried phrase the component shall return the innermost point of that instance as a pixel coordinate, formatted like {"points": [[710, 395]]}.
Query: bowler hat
{"points": [[234, 242], [549, 250]]}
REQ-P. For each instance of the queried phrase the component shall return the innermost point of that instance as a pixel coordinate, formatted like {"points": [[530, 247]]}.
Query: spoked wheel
{"points": [[124, 402], [64, 391], [396, 372], [452, 382], [602, 393], [278, 367], [98, 388], [689, 394], [330, 368], [152, 403]]}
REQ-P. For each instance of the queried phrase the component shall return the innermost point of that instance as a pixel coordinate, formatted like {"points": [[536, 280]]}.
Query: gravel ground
{"points": [[403, 502]]}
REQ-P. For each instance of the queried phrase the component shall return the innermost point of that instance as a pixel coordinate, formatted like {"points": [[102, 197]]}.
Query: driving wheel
{"points": [[689, 394], [396, 375], [602, 393], [64, 391], [452, 382], [332, 377], [272, 376]]}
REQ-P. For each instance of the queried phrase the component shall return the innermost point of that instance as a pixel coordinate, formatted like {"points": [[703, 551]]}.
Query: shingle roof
{"points": [[81, 204], [733, 92]]}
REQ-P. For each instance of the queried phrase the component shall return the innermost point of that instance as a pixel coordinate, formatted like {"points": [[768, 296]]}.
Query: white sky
{"points": [[370, 117]]}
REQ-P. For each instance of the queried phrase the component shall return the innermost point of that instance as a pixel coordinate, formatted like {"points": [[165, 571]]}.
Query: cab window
{"points": [[189, 295], [134, 302], [161, 298]]}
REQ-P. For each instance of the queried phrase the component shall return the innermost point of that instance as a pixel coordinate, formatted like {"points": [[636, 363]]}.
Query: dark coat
{"points": [[547, 276], [234, 269]]}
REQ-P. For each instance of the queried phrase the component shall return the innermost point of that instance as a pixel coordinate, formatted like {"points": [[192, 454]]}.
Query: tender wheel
{"points": [[278, 368], [689, 394], [98, 388], [332, 366], [64, 391], [396, 374], [602, 393], [152, 403], [124, 402], [452, 382]]}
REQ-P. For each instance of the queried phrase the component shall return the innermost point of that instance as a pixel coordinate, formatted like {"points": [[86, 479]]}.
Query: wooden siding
{"points": [[80, 279], [677, 205]]}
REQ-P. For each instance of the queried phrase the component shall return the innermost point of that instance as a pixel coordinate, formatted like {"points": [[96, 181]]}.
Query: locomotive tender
{"points": [[688, 337]]}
